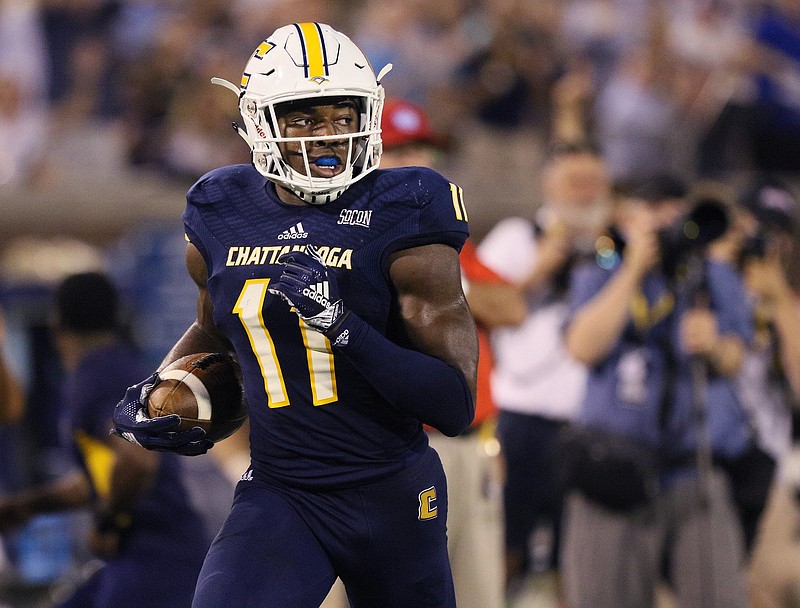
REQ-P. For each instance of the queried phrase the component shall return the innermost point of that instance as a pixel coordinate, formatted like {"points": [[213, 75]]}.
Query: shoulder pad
{"points": [[435, 207], [215, 184], [412, 186]]}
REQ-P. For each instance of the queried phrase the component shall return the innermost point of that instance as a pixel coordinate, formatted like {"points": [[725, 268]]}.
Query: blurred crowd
{"points": [[697, 87], [675, 96]]}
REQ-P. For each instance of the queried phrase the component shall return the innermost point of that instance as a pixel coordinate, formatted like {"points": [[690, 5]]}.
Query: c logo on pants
{"points": [[427, 504]]}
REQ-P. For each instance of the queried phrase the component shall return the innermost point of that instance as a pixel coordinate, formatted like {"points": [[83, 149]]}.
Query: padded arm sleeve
{"points": [[419, 384]]}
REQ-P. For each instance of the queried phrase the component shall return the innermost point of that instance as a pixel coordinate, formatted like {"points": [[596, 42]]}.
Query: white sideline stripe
{"points": [[197, 387]]}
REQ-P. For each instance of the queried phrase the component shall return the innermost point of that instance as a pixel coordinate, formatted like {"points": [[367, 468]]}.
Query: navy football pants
{"points": [[283, 547]]}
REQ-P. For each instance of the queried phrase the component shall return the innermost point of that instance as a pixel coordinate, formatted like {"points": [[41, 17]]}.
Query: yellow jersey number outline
{"points": [[319, 356]]}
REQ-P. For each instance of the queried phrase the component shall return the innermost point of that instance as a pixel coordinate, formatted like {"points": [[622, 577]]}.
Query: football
{"points": [[205, 390]]}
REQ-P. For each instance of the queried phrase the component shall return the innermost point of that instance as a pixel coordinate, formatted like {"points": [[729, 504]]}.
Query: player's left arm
{"points": [[435, 380], [433, 307]]}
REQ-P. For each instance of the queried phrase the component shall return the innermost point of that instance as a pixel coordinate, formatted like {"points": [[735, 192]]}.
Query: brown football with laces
{"points": [[205, 390]]}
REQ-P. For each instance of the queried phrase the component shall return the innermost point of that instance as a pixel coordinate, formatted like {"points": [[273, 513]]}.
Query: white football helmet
{"points": [[309, 61]]}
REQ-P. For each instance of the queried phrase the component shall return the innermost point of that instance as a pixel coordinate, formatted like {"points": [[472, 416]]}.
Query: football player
{"points": [[145, 524], [337, 286]]}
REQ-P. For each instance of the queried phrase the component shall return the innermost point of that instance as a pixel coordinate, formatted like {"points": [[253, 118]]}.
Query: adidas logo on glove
{"points": [[319, 293]]}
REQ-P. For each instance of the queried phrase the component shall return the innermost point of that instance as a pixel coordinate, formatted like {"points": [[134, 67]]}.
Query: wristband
{"points": [[340, 333]]}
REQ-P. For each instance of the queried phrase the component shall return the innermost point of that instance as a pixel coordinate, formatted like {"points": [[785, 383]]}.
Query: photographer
{"points": [[537, 386], [770, 386], [663, 334]]}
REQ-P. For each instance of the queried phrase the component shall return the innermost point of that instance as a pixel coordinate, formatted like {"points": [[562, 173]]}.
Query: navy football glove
{"points": [[308, 287], [132, 423]]}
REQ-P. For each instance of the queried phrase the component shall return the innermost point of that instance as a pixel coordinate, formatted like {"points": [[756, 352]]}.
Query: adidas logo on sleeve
{"points": [[293, 233]]}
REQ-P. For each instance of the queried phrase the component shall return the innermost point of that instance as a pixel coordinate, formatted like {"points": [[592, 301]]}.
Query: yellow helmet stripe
{"points": [[314, 52]]}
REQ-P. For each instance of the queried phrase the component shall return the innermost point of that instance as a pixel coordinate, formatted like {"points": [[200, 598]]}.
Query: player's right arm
{"points": [[131, 421], [202, 335]]}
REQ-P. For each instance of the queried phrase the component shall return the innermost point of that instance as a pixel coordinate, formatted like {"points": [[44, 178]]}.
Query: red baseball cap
{"points": [[406, 123]]}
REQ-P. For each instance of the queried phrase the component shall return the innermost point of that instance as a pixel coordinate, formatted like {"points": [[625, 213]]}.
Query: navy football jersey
{"points": [[315, 420]]}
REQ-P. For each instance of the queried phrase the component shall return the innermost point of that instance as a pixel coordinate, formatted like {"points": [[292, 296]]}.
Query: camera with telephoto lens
{"points": [[705, 222]]}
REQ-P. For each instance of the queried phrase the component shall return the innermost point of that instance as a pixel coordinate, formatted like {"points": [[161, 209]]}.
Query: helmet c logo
{"points": [[263, 48]]}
